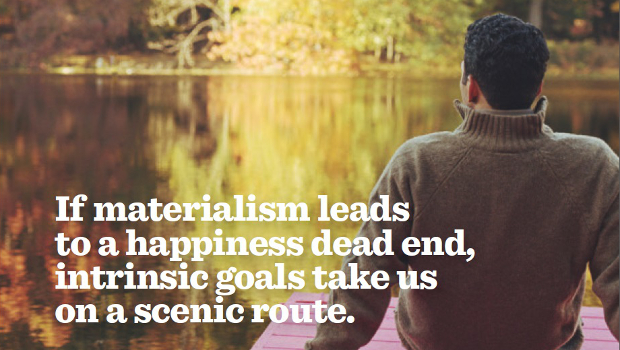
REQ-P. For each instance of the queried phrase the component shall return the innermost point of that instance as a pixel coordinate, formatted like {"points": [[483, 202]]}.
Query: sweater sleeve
{"points": [[368, 306], [604, 267]]}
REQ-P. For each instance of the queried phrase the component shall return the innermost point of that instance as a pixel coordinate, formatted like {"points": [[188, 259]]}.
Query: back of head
{"points": [[508, 58]]}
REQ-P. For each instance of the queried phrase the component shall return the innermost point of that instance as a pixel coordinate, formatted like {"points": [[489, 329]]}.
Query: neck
{"points": [[502, 130], [483, 104]]}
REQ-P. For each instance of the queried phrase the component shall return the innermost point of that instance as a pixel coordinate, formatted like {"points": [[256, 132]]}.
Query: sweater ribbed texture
{"points": [[538, 207], [503, 130]]}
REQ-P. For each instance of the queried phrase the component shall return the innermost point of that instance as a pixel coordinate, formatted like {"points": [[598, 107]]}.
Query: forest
{"points": [[292, 36]]}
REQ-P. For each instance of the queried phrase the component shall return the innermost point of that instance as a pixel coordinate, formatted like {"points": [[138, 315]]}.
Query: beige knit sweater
{"points": [[536, 206]]}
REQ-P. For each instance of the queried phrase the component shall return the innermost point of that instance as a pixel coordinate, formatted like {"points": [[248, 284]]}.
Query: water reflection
{"points": [[132, 139]]}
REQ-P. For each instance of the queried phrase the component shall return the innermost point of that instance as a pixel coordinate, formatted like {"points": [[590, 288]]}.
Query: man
{"points": [[536, 206]]}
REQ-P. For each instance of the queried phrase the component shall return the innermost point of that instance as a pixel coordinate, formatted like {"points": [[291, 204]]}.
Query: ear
{"points": [[473, 89], [540, 89]]}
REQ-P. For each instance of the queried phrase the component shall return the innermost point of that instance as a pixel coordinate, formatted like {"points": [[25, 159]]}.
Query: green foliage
{"points": [[303, 37], [563, 19], [4, 8], [582, 57]]}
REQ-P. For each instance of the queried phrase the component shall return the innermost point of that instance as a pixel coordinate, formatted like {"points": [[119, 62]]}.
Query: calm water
{"points": [[132, 139]]}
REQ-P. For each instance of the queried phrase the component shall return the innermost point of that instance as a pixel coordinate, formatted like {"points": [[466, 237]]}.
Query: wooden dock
{"points": [[292, 336]]}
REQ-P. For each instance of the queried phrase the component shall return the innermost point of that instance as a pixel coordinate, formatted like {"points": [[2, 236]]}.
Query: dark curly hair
{"points": [[508, 58]]}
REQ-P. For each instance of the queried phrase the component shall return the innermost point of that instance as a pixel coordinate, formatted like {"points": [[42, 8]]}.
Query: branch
{"points": [[216, 9], [186, 46]]}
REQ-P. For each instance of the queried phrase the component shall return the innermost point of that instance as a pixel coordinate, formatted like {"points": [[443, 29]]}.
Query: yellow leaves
{"points": [[327, 36], [258, 44]]}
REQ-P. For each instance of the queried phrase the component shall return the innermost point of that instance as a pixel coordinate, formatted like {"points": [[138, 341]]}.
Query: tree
{"points": [[328, 36], [77, 26], [186, 23], [563, 19], [536, 12], [293, 35]]}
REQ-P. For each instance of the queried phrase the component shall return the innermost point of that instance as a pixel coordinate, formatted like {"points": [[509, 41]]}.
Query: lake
{"points": [[130, 139]]}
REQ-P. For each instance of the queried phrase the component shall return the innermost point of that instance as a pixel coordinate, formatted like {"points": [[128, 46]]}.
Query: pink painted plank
{"points": [[293, 336], [597, 345]]}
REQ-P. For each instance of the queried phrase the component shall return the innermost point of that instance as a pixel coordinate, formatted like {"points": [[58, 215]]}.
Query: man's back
{"points": [[531, 204], [536, 207]]}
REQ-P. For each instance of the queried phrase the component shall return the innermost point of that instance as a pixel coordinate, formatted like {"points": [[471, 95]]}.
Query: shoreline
{"points": [[231, 72], [164, 65]]}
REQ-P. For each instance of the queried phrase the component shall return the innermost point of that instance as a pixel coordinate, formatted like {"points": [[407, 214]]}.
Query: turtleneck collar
{"points": [[503, 130]]}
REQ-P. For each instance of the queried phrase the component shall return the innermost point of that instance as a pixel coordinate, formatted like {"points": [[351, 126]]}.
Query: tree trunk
{"points": [[390, 49], [536, 12], [226, 18]]}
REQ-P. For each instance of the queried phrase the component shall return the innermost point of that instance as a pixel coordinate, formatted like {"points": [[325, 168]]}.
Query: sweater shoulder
{"points": [[580, 150], [586, 165], [428, 158], [435, 144], [583, 140]]}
